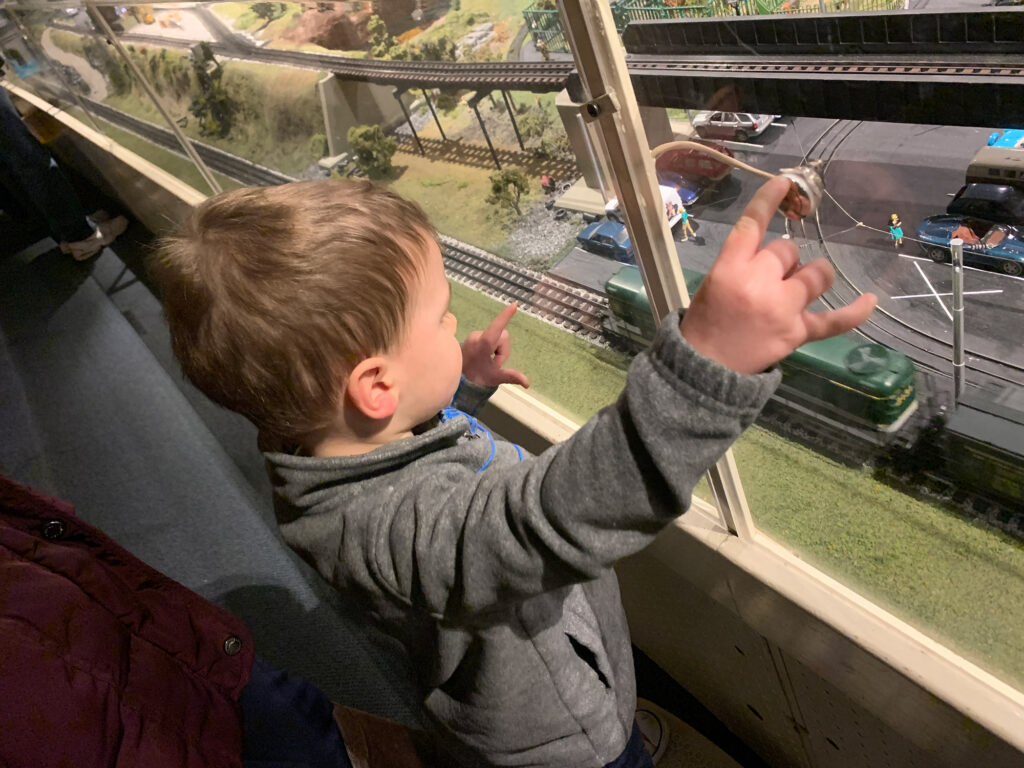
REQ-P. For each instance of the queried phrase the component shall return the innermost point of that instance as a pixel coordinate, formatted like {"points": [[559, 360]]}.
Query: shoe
{"points": [[654, 729], [104, 234]]}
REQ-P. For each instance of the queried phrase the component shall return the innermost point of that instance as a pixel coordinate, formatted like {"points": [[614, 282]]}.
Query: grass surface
{"points": [[278, 112], [959, 581], [566, 372], [68, 41], [452, 190]]}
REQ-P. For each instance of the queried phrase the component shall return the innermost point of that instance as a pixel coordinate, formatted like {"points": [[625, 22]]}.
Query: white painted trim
{"points": [[979, 695]]}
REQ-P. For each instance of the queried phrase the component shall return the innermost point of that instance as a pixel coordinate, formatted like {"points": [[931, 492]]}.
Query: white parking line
{"points": [[926, 295], [780, 125], [933, 293]]}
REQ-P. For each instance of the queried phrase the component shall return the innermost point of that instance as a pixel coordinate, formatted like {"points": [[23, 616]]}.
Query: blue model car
{"points": [[607, 238], [985, 244], [687, 187], [1010, 137]]}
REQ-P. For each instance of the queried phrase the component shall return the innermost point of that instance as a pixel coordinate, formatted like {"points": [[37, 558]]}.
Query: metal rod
{"points": [[956, 246], [474, 103], [60, 75], [601, 63], [585, 130], [398, 97], [430, 104], [512, 117], [94, 14]]}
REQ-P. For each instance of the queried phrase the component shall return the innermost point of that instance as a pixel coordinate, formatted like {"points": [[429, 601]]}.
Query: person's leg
{"points": [[29, 169], [287, 721]]}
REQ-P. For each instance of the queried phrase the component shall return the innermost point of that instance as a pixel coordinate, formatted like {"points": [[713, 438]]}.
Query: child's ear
{"points": [[371, 389]]}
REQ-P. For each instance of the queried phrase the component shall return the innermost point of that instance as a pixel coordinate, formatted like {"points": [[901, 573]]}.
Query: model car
{"points": [[669, 198], [985, 243], [1012, 138], [688, 188], [738, 126], [998, 203], [607, 238]]}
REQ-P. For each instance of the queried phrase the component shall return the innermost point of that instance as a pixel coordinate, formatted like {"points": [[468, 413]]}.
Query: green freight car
{"points": [[846, 379]]}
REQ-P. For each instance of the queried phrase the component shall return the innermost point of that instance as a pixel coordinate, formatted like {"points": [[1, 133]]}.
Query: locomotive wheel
{"points": [[938, 255], [1014, 268]]}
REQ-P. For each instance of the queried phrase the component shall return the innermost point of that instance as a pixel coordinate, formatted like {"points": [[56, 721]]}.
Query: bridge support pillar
{"points": [[397, 93], [584, 140], [346, 103], [437, 121], [474, 103], [512, 116]]}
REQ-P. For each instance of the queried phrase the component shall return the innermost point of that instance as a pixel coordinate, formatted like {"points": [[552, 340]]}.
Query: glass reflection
{"points": [[864, 463]]}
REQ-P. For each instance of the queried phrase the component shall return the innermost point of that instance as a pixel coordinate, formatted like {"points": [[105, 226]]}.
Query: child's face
{"points": [[429, 358]]}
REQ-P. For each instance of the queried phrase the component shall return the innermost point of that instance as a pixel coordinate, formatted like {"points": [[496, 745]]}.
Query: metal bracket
{"points": [[605, 104]]}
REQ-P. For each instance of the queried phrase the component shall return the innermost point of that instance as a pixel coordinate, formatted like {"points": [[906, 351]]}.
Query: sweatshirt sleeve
{"points": [[457, 543], [470, 397]]}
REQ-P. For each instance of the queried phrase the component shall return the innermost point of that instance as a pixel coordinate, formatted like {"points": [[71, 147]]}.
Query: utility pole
{"points": [[956, 246]]}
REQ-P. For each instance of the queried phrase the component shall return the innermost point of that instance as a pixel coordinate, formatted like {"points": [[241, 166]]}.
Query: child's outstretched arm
{"points": [[751, 310], [471, 528]]}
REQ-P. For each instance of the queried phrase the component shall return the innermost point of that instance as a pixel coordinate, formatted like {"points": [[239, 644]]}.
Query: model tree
{"points": [[384, 45], [212, 106], [373, 150], [267, 11], [507, 187]]}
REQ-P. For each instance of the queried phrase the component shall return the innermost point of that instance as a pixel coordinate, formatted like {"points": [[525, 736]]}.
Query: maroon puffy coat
{"points": [[103, 660]]}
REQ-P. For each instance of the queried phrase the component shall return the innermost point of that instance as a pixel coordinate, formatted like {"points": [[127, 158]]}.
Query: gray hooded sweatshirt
{"points": [[495, 570]]}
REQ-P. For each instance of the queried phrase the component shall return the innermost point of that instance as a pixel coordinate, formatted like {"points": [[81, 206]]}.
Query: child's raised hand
{"points": [[751, 310], [484, 352]]}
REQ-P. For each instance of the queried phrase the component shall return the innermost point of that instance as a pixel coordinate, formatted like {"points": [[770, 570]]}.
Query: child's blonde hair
{"points": [[273, 294]]}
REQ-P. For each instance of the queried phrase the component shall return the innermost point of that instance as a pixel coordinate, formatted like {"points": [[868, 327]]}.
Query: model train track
{"points": [[233, 166], [571, 308], [537, 76], [869, 66]]}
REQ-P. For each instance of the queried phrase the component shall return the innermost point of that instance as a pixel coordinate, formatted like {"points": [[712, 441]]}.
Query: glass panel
{"points": [[866, 462]]}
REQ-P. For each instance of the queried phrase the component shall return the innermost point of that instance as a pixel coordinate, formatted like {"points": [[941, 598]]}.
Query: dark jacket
{"points": [[103, 660]]}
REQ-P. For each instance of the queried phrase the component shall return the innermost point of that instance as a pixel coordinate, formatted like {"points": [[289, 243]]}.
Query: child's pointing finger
{"points": [[745, 238], [492, 334]]}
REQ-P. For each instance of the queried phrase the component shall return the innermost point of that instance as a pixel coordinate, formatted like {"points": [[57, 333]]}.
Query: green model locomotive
{"points": [[846, 379]]}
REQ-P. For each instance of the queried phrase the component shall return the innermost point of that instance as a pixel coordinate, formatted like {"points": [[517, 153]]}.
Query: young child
{"points": [[320, 311]]}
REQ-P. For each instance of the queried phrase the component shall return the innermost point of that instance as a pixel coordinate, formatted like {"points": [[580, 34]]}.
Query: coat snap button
{"points": [[54, 529], [232, 645]]}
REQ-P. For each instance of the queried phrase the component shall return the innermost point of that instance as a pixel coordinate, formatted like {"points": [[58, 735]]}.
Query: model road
{"points": [[873, 170]]}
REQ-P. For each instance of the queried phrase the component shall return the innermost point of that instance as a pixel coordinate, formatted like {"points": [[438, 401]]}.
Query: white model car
{"points": [[738, 126]]}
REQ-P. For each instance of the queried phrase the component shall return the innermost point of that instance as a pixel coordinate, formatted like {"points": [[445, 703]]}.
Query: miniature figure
{"points": [[687, 227], [896, 230]]}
